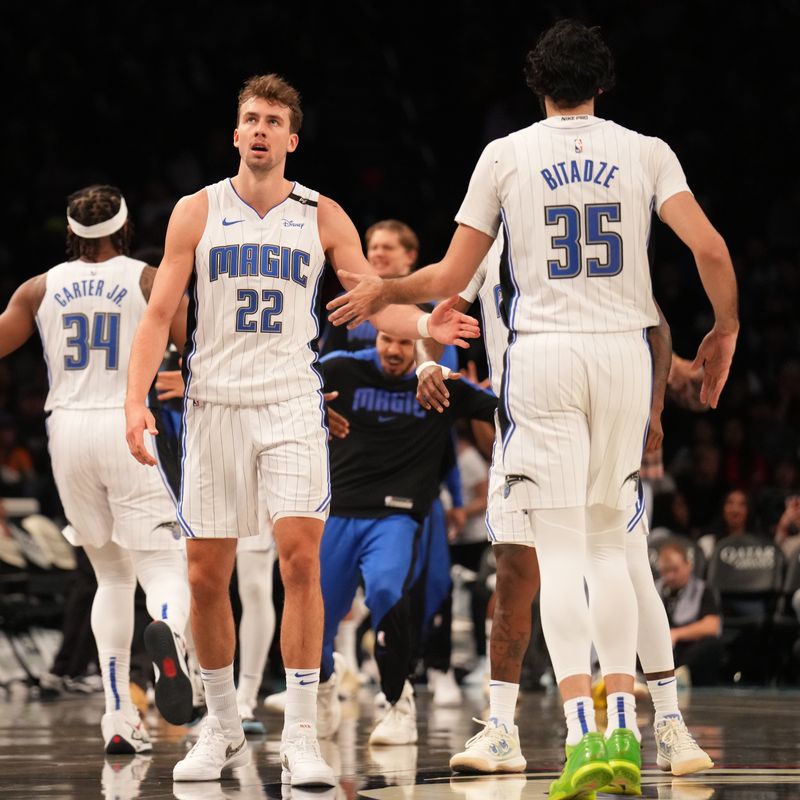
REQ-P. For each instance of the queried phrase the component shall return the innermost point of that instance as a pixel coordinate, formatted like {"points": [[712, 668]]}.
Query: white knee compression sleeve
{"points": [[654, 643], [112, 620], [165, 581], [257, 626], [612, 601], [560, 543]]}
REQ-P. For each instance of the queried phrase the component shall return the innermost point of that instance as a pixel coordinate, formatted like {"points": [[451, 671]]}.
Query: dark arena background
{"points": [[399, 101]]}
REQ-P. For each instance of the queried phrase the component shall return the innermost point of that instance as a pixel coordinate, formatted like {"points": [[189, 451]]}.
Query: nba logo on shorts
{"points": [[578, 145]]}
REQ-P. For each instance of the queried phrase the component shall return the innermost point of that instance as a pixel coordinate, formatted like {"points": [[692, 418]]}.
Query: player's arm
{"points": [[342, 247], [177, 328], [18, 321], [683, 214], [368, 293], [431, 376], [169, 288], [660, 340]]}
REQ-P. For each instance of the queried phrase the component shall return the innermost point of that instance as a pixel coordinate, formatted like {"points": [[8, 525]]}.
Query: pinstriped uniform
{"points": [[574, 196], [253, 412], [87, 321], [503, 524]]}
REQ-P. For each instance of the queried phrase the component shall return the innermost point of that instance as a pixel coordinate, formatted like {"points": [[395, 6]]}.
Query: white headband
{"points": [[105, 228]]}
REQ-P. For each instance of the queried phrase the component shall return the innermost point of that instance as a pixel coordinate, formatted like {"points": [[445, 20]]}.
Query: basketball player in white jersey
{"points": [[251, 251], [575, 195], [518, 570], [87, 310]]}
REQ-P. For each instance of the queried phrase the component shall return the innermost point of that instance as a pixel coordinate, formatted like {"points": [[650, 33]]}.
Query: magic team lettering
{"points": [[254, 260], [387, 402]]}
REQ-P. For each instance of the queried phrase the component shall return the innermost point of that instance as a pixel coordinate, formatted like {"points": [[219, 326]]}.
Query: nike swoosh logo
{"points": [[303, 674], [307, 683], [386, 419], [664, 683], [232, 751], [227, 222]]}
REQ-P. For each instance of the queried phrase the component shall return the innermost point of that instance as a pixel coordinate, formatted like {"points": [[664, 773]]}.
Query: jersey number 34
{"points": [[571, 221]]}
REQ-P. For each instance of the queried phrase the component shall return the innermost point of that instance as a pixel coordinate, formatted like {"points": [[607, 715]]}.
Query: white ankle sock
{"points": [[503, 702], [579, 713], [221, 698], [301, 696], [115, 669], [622, 713], [664, 694]]}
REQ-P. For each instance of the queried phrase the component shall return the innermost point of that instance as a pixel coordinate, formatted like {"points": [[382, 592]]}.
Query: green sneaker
{"points": [[586, 770], [625, 759]]}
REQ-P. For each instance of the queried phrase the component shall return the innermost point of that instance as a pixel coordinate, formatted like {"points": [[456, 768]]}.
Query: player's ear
{"points": [[294, 140], [236, 137]]}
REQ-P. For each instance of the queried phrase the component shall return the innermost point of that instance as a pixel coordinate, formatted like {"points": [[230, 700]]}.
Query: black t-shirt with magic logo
{"points": [[390, 463]]}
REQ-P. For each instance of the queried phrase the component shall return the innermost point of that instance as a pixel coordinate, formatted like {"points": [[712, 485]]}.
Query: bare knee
{"points": [[210, 569], [300, 567]]}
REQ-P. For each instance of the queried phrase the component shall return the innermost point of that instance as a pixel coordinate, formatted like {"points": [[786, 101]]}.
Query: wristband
{"points": [[426, 364], [422, 326]]}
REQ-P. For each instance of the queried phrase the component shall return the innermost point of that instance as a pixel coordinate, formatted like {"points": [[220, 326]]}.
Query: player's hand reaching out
{"points": [[169, 384], [363, 298], [431, 389], [449, 326], [715, 355], [138, 419], [338, 426]]}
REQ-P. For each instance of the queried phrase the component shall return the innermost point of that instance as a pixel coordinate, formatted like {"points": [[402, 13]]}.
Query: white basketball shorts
{"points": [[505, 525], [107, 495], [231, 451], [573, 416]]}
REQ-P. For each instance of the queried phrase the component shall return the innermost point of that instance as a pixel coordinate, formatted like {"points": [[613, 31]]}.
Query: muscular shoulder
{"points": [[335, 226], [31, 293]]}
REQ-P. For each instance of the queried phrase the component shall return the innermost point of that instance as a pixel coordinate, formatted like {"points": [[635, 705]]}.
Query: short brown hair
{"points": [[408, 239], [275, 89]]}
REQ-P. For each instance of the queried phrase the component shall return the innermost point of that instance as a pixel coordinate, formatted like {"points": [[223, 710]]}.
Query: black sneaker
{"points": [[173, 685]]}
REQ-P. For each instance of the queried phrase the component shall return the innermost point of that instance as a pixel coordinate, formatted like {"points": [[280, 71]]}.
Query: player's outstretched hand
{"points": [[449, 326], [715, 355], [362, 299], [431, 389], [338, 425], [138, 419], [169, 384]]}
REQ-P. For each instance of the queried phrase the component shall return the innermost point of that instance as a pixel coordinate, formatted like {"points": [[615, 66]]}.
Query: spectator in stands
{"points": [[693, 610], [787, 531], [735, 521]]}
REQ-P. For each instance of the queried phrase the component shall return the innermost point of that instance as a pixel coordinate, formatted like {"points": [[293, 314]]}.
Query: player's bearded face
{"points": [[263, 136], [396, 355]]}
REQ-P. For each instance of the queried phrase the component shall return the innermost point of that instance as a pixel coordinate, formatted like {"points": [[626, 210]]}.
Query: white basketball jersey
{"points": [[485, 286], [87, 321], [253, 300], [575, 197]]}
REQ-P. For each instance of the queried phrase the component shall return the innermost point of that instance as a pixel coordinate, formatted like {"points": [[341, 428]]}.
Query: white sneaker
{"points": [[212, 753], [399, 724], [276, 702], [381, 706], [329, 708], [677, 751], [301, 760], [478, 674], [121, 778], [174, 690], [494, 749], [444, 687], [124, 733]]}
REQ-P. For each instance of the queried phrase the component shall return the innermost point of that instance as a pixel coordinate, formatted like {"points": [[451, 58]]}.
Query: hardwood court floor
{"points": [[53, 750]]}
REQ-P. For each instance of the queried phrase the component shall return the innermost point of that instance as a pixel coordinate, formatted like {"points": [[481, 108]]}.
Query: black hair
{"points": [[89, 206], [570, 63]]}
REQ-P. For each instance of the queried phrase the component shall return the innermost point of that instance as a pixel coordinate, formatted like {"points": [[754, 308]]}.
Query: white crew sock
{"points": [[622, 713], [221, 699], [579, 713], [503, 702], [301, 696], [664, 693]]}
